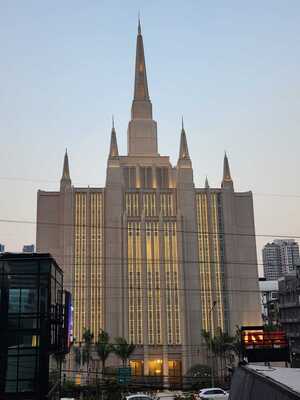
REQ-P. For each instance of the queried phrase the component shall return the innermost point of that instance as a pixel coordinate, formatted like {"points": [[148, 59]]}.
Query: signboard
{"points": [[124, 375], [260, 345], [68, 321]]}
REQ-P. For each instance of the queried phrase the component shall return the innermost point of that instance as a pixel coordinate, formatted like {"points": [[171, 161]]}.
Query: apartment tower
{"points": [[280, 257]]}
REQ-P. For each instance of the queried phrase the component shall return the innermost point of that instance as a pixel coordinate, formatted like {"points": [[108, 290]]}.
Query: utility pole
{"points": [[210, 344]]}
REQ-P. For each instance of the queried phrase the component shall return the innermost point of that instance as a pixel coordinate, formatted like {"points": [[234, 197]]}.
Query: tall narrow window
{"points": [[129, 174], [210, 260], [146, 177], [162, 177], [135, 299]]}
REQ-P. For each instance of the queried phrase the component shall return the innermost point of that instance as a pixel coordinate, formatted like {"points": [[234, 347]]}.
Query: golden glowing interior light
{"points": [[35, 341]]}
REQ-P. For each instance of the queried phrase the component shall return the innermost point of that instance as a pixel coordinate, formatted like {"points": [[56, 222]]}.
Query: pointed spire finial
{"points": [[113, 122], [66, 171], [206, 183], [227, 180], [183, 149], [226, 169], [141, 92], [139, 24], [65, 178], [113, 150]]}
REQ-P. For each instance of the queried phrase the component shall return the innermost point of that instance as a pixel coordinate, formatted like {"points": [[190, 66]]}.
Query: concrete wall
{"points": [[241, 273]]}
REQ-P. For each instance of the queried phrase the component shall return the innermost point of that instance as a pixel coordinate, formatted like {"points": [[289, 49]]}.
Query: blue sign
{"points": [[124, 375]]}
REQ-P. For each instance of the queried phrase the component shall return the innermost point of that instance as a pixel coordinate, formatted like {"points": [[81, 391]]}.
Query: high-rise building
{"points": [[289, 253], [289, 311], [280, 258], [149, 257], [269, 301], [28, 248], [2, 248]]}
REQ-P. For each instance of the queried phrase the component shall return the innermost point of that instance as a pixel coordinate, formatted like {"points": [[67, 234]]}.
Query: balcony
{"points": [[290, 320], [289, 305]]}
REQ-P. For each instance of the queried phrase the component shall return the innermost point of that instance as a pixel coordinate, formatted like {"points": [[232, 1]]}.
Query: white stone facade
{"points": [[147, 256]]}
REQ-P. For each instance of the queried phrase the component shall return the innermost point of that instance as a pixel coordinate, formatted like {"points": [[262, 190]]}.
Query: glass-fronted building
{"points": [[32, 324]]}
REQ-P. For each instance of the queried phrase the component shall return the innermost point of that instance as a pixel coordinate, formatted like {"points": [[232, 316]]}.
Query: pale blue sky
{"points": [[230, 67]]}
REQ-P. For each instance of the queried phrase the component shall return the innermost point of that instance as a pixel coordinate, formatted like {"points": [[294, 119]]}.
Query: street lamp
{"points": [[210, 344]]}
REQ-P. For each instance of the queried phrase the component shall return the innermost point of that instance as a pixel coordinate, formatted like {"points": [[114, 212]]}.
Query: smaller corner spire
{"points": [[206, 183], [113, 150], [66, 170], [226, 169], [183, 149], [65, 179]]}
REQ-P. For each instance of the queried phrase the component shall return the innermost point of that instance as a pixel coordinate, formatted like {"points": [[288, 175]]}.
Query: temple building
{"points": [[149, 256]]}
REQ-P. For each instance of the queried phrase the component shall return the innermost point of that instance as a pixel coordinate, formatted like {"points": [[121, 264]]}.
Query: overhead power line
{"points": [[100, 260], [166, 219], [97, 186]]}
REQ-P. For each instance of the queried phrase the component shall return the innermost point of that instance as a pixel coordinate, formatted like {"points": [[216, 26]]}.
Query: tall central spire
{"points": [[142, 130], [141, 106]]}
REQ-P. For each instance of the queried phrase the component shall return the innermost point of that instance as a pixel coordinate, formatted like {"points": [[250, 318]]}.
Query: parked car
{"points": [[167, 395], [138, 396], [213, 394]]}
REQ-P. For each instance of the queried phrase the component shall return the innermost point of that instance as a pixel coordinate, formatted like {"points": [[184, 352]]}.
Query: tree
{"points": [[88, 337], [199, 375], [210, 341], [237, 347], [223, 344], [123, 349], [211, 347], [103, 347], [220, 344], [199, 371]]}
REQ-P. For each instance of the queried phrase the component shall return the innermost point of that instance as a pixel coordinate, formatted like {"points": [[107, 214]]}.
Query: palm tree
{"points": [[88, 337], [220, 344], [123, 349], [210, 341], [237, 347], [103, 348], [223, 344]]}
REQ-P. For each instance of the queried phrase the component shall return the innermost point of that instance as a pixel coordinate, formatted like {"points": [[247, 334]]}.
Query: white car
{"points": [[138, 396], [166, 396], [213, 394]]}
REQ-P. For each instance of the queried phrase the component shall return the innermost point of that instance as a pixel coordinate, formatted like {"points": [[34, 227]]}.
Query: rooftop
{"points": [[268, 286], [288, 377]]}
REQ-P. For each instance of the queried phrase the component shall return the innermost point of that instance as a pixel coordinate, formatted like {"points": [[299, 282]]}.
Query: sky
{"points": [[231, 68]]}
